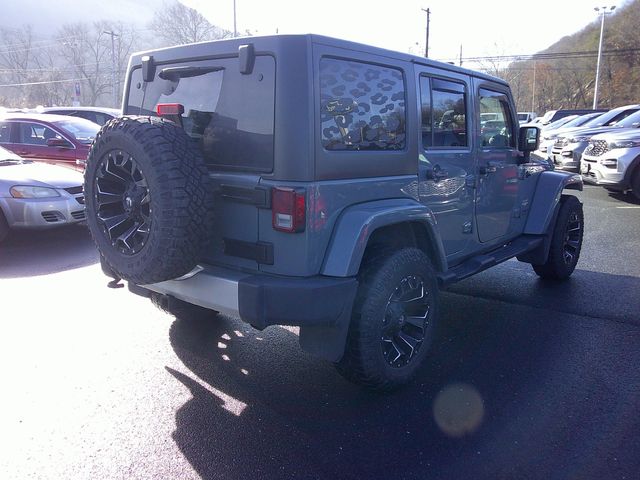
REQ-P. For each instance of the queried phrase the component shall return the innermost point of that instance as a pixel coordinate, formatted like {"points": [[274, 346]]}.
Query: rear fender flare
{"points": [[357, 223]]}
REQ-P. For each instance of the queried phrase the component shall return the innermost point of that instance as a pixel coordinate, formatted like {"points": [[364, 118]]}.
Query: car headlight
{"points": [[624, 144], [25, 191], [578, 139]]}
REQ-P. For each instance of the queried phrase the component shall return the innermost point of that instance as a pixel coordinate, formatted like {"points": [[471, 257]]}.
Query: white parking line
{"points": [[628, 207]]}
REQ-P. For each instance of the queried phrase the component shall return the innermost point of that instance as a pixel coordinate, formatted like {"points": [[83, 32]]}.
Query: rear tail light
{"points": [[288, 206], [169, 109]]}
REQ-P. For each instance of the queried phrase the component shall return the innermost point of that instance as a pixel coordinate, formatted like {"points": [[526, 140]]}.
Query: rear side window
{"points": [[444, 113], [362, 106], [229, 114]]}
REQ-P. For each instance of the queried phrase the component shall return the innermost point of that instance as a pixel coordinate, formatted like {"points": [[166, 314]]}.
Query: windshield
{"points": [[82, 130], [558, 123], [632, 121], [581, 120], [610, 118]]}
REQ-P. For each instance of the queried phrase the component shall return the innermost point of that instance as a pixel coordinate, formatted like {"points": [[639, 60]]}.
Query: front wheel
{"points": [[393, 321], [566, 242]]}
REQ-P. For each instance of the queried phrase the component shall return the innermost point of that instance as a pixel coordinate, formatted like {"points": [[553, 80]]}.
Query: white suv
{"points": [[613, 161]]}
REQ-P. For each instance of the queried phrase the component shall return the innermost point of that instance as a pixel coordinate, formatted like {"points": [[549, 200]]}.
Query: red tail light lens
{"points": [[288, 206], [168, 109]]}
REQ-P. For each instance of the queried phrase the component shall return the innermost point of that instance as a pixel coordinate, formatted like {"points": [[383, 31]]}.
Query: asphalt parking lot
{"points": [[527, 379]]}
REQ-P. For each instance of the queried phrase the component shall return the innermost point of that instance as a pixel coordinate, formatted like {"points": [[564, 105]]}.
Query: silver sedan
{"points": [[36, 195]]}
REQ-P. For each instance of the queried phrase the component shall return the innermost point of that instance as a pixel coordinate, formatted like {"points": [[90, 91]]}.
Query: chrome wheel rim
{"points": [[572, 239], [123, 202], [405, 322]]}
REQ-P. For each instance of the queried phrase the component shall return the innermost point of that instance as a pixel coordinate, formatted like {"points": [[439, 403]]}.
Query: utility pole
{"points": [[460, 54], [426, 45], [533, 89], [601, 11], [114, 79], [235, 29]]}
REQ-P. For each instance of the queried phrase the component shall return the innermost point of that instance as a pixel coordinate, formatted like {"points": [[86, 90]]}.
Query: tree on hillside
{"points": [[178, 24], [88, 54]]}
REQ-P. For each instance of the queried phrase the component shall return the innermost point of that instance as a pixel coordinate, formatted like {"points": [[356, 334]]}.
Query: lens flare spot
{"points": [[458, 410]]}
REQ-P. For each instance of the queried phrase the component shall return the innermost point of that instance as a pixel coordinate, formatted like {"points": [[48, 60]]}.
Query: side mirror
{"points": [[57, 142], [528, 139]]}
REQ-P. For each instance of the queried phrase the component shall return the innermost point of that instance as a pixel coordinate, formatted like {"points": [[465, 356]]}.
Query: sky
{"points": [[482, 27]]}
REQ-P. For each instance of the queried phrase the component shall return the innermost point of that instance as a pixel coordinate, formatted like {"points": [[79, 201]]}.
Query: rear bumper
{"points": [[262, 300]]}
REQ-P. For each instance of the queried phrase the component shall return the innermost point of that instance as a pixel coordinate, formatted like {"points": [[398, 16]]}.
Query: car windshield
{"points": [[632, 121], [609, 117], [581, 120], [561, 121], [82, 130]]}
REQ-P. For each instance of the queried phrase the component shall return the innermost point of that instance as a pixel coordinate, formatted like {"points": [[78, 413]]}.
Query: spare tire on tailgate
{"points": [[147, 198]]}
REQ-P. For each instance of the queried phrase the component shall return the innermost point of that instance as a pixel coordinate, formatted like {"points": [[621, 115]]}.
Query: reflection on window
{"points": [[362, 106], [35, 134], [230, 115], [444, 113], [495, 120]]}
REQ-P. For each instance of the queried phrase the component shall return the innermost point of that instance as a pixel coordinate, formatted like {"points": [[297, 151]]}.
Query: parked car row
{"points": [[603, 147], [34, 195]]}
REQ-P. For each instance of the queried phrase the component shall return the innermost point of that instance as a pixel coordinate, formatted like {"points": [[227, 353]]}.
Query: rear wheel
{"points": [[393, 321], [566, 242], [635, 183]]}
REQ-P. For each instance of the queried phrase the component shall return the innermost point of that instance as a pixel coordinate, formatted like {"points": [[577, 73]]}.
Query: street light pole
{"points": [[114, 80], [601, 11], [426, 45]]}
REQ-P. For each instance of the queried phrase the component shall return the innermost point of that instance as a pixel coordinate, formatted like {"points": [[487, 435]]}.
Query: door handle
{"points": [[490, 167], [437, 173]]}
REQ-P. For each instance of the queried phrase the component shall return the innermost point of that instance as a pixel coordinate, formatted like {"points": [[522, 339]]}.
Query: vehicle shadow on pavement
{"points": [[33, 253], [522, 402], [628, 198]]}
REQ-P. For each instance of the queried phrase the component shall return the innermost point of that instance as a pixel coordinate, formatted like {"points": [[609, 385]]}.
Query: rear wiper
{"points": [[176, 73]]}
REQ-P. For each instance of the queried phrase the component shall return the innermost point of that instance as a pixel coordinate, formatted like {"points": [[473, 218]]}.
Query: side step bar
{"points": [[479, 263]]}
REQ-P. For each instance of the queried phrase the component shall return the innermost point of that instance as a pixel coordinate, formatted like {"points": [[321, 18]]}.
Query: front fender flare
{"points": [[546, 199], [358, 222]]}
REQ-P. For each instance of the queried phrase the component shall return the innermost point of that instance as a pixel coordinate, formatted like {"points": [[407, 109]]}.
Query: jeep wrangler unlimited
{"points": [[307, 181]]}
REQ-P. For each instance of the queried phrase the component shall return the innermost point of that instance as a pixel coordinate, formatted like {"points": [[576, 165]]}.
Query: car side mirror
{"points": [[528, 139], [57, 142]]}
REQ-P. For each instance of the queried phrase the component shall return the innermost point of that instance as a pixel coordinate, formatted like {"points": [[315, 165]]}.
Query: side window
{"points": [[444, 113], [5, 132], [362, 106], [34, 134], [496, 124]]}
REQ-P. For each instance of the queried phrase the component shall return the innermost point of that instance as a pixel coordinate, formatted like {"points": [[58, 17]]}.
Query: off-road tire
{"points": [[364, 362], [179, 197], [570, 217], [4, 227], [635, 183]]}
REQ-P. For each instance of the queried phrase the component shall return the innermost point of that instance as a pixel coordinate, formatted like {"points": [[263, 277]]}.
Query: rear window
{"points": [[229, 114]]}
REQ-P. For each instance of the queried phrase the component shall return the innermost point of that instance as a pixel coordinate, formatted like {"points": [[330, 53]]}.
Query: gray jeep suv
{"points": [[308, 181]]}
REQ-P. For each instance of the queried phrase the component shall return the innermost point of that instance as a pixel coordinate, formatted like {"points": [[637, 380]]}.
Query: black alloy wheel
{"points": [[123, 202], [405, 321], [573, 239]]}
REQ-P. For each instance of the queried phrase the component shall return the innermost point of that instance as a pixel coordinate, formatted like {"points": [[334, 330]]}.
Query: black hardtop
{"points": [[278, 43]]}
